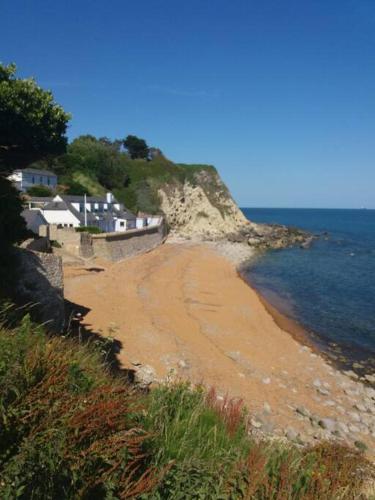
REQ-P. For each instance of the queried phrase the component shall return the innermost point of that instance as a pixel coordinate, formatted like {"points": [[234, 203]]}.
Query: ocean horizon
{"points": [[329, 288]]}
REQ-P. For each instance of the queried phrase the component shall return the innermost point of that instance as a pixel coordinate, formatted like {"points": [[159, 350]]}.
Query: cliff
{"points": [[201, 205]]}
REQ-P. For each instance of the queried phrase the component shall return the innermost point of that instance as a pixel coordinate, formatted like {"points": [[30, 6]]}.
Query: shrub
{"points": [[68, 429], [39, 191], [71, 430], [89, 229]]}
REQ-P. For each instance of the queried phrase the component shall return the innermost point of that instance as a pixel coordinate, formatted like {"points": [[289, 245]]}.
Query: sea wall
{"points": [[118, 246], [40, 284]]}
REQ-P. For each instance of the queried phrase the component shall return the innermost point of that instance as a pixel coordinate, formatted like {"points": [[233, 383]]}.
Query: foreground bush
{"points": [[70, 430], [67, 428]]}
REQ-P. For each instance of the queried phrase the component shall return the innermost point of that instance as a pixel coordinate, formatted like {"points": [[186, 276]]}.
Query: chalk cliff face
{"points": [[201, 206]]}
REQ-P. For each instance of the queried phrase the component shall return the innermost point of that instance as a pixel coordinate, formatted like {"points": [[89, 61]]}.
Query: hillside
{"points": [[193, 198]]}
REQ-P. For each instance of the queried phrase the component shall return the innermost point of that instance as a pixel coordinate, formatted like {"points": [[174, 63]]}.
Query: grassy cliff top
{"points": [[94, 166]]}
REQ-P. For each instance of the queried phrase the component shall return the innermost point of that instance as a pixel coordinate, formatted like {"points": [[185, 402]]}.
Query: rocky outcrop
{"points": [[201, 206], [274, 236]]}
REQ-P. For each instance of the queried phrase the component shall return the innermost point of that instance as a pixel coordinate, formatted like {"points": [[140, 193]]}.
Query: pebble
{"points": [[323, 391], [266, 380], [328, 423], [351, 374], [330, 403], [144, 375], [353, 428], [317, 383], [255, 423], [303, 411], [291, 434], [343, 427], [354, 416], [360, 407], [370, 378], [370, 391], [267, 408]]}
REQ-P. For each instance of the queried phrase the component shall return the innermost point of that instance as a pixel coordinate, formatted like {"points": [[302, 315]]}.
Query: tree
{"points": [[32, 124], [12, 225], [136, 147], [99, 158]]}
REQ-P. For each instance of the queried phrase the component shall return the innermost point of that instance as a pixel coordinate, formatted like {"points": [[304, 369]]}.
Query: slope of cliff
{"points": [[193, 198], [200, 205]]}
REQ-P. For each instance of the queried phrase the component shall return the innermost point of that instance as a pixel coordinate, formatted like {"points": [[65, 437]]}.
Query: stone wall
{"points": [[118, 246], [40, 284], [42, 244], [67, 237]]}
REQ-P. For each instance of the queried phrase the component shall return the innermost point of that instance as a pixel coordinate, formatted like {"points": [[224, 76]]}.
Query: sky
{"points": [[279, 95]]}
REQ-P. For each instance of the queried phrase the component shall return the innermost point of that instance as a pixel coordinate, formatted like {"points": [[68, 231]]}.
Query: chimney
{"points": [[109, 197]]}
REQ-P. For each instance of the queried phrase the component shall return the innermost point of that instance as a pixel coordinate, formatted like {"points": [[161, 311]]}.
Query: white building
{"points": [[106, 213], [26, 178]]}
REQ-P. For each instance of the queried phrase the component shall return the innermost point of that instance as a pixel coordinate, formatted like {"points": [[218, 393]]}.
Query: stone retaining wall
{"points": [[67, 237], [40, 283], [118, 246]]}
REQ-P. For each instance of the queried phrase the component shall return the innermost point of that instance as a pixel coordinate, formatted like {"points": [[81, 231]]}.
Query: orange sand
{"points": [[183, 307]]}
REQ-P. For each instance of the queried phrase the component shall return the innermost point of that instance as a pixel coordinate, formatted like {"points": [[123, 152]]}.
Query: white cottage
{"points": [[26, 178]]}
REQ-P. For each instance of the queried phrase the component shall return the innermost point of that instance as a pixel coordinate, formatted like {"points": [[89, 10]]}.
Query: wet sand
{"points": [[184, 310]]}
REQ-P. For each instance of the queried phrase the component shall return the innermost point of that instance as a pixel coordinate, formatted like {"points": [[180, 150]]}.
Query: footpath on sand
{"points": [[184, 311]]}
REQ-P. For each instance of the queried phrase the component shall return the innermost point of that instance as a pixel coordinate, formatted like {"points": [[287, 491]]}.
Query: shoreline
{"points": [[343, 357], [184, 312]]}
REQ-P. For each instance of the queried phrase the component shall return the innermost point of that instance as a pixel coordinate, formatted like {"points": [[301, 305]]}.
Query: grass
{"points": [[70, 429]]}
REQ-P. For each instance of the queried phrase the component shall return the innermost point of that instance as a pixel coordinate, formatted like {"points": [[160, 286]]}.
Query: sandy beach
{"points": [[183, 310]]}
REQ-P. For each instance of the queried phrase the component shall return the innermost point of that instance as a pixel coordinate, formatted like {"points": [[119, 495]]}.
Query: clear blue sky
{"points": [[278, 94]]}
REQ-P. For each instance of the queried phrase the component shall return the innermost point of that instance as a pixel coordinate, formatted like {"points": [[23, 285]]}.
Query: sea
{"points": [[329, 289]]}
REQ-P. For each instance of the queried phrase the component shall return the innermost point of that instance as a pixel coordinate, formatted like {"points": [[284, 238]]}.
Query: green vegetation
{"points": [[88, 229], [70, 429], [95, 166], [39, 191], [136, 147], [32, 125]]}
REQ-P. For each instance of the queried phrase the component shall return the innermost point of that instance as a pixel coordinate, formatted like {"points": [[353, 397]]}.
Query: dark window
{"points": [[122, 224], [48, 180], [41, 180], [33, 180]]}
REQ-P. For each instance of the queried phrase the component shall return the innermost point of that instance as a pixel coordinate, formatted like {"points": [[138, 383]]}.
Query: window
{"points": [[40, 180], [122, 224], [48, 180], [33, 180]]}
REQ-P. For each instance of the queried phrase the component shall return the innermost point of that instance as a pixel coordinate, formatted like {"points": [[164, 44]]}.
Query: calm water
{"points": [[330, 288]]}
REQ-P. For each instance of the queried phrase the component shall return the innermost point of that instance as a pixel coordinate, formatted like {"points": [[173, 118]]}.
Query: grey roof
{"points": [[124, 214], [31, 216], [63, 205], [56, 205], [35, 171]]}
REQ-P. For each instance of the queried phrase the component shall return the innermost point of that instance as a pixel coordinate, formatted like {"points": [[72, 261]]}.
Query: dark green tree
{"points": [[12, 225], [100, 158], [32, 124], [136, 147]]}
